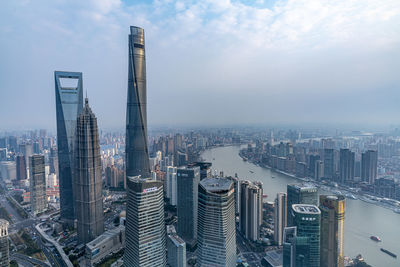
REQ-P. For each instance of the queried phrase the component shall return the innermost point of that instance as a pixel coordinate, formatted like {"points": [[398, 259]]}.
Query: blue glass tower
{"points": [[69, 104], [137, 154]]}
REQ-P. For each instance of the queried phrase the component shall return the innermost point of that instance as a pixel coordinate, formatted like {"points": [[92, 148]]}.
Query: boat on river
{"points": [[376, 238], [389, 253]]}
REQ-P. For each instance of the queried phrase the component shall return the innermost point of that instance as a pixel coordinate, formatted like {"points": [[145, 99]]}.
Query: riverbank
{"points": [[390, 204]]}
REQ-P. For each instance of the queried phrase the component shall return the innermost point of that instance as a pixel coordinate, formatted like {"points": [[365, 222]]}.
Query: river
{"points": [[361, 220]]}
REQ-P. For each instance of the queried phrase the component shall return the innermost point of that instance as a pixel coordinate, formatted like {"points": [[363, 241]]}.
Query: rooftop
{"points": [[105, 236], [176, 239], [274, 258], [306, 209], [216, 184]]}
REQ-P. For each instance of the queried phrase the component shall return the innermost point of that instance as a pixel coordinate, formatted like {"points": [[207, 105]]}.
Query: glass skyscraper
{"points": [[216, 223], [299, 194], [37, 183], [69, 103], [145, 226], [137, 154], [88, 183]]}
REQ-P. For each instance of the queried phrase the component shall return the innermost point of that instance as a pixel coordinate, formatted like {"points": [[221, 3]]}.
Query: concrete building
{"points": [[280, 218], [332, 230], [176, 248], [69, 104], [300, 194], [188, 179], [104, 245], [250, 215], [216, 226], [369, 166], [4, 249], [21, 167], [171, 185], [88, 177], [329, 163], [37, 184], [346, 166]]}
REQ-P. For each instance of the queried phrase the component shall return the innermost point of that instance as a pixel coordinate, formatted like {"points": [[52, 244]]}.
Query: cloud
{"points": [[207, 61]]}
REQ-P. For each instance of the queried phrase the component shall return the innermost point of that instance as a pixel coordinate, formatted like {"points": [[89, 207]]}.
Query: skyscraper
{"points": [[307, 220], [188, 179], [88, 183], [369, 166], [137, 154], [4, 249], [69, 103], [53, 161], [250, 214], [171, 185], [329, 163], [346, 166], [216, 226], [296, 249], [299, 194], [21, 167], [332, 230], [37, 184], [145, 228], [176, 251], [280, 218]]}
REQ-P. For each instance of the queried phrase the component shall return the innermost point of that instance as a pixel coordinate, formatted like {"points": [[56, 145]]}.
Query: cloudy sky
{"points": [[208, 62]]}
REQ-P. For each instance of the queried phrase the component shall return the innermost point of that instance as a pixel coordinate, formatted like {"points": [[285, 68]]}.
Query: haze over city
{"points": [[208, 62]]}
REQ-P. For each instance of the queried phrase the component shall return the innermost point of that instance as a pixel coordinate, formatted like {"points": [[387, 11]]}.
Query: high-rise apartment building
{"points": [[69, 104], [188, 179], [137, 153], [369, 166], [176, 248], [250, 215], [300, 194], [37, 184], [307, 219], [216, 226], [88, 177], [21, 167], [346, 166], [329, 163], [280, 217], [4, 249], [145, 227], [332, 230]]}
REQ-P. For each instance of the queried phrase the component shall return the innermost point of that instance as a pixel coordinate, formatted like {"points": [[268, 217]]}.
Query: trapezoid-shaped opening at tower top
{"points": [[69, 83]]}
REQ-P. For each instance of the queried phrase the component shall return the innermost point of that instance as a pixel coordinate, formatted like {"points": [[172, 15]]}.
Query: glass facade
{"points": [[299, 194], [69, 104]]}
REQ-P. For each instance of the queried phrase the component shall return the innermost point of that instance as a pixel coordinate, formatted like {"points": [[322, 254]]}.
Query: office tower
{"points": [[216, 226], [145, 228], [369, 166], [4, 249], [236, 186], [176, 248], [250, 215], [171, 182], [69, 104], [37, 184], [21, 167], [296, 249], [311, 164], [88, 181], [332, 230], [53, 161], [188, 179], [137, 154], [280, 218], [300, 194], [307, 219], [205, 169], [319, 170], [346, 166], [36, 147], [329, 163]]}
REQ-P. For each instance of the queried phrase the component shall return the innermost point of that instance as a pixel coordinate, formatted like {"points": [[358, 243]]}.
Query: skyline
{"points": [[272, 63]]}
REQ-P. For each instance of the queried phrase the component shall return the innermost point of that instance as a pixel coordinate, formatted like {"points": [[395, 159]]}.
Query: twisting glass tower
{"points": [[88, 184], [145, 226], [137, 154], [69, 103]]}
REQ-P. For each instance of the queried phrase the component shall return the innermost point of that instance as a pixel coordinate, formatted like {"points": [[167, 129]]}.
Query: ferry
{"points": [[251, 171], [376, 238], [389, 253]]}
